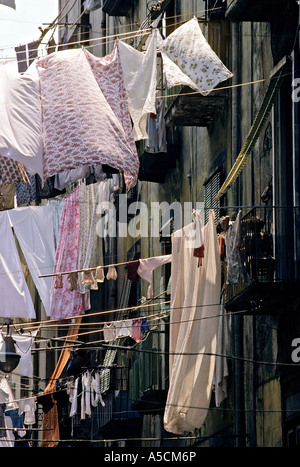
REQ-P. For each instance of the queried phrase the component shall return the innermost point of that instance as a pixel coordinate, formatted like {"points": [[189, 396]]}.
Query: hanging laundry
{"points": [[147, 266], [109, 75], [90, 245], [12, 171], [145, 325], [50, 424], [79, 130], [136, 333], [64, 179], [86, 409], [123, 328], [21, 118], [189, 50], [6, 396], [15, 298], [74, 399], [58, 283], [64, 302], [23, 346], [73, 280], [156, 129], [195, 293], [33, 226], [140, 78], [221, 367], [131, 273], [100, 277], [27, 408], [112, 273], [109, 332], [96, 396]]}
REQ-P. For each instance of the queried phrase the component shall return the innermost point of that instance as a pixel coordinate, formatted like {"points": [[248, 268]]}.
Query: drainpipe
{"points": [[238, 319]]}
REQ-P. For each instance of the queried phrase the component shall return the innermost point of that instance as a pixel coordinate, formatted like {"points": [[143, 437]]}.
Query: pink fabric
{"points": [[66, 303], [109, 76], [148, 265], [80, 127]]}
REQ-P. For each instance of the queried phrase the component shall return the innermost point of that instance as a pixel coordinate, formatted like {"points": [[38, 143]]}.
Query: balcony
{"points": [[184, 106], [254, 10], [192, 109], [270, 258], [117, 7], [148, 386]]}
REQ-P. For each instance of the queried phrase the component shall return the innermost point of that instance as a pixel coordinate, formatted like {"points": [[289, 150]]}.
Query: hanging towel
{"points": [[189, 50], [195, 295], [147, 267], [33, 226], [15, 298], [80, 127], [140, 78]]}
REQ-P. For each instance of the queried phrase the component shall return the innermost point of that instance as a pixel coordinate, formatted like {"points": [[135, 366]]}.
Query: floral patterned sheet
{"points": [[188, 49]]}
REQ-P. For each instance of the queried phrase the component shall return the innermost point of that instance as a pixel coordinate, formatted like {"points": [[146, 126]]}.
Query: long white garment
{"points": [[189, 50], [20, 117], [86, 380], [195, 302], [221, 367], [139, 70], [33, 226], [15, 298], [74, 399]]}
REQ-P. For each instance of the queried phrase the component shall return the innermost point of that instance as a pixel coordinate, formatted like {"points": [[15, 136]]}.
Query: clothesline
{"points": [[101, 266]]}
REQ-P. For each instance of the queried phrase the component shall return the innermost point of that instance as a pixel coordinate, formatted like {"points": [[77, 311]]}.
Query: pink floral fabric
{"points": [[80, 126], [66, 303], [109, 76]]}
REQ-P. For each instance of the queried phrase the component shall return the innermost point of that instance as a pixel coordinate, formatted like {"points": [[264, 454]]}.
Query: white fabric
{"points": [[28, 407], [189, 50], [15, 298], [147, 267], [23, 346], [195, 296], [96, 396], [20, 117], [86, 395], [173, 74], [33, 226], [139, 70], [74, 399], [221, 367]]}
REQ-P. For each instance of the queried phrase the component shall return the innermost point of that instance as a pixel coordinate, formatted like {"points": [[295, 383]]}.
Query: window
{"points": [[211, 187]]}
